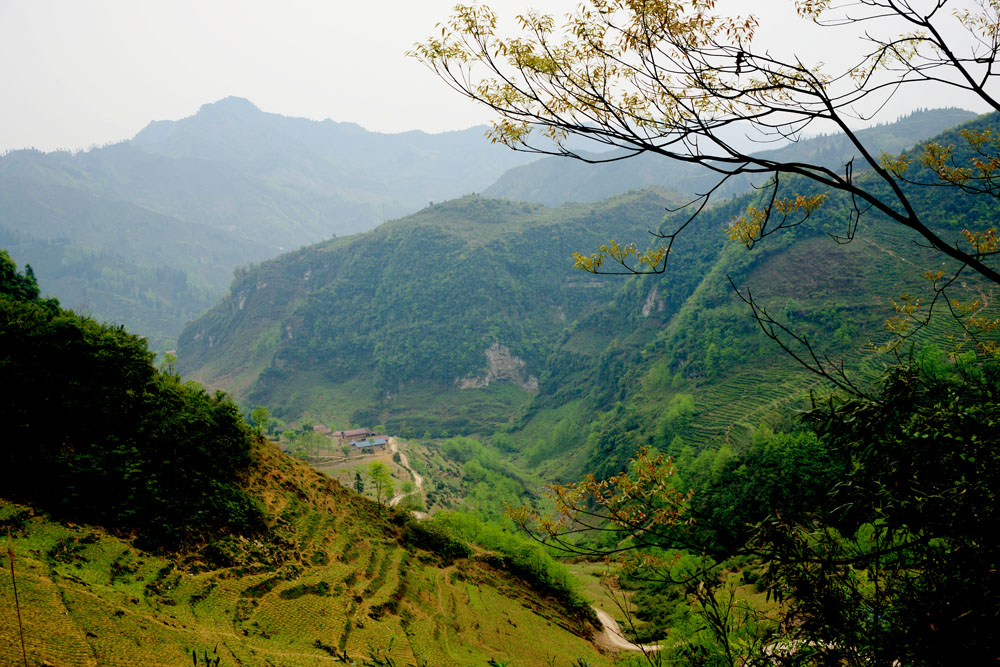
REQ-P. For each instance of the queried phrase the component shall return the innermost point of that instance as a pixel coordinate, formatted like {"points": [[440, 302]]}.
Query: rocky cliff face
{"points": [[654, 303], [501, 366]]}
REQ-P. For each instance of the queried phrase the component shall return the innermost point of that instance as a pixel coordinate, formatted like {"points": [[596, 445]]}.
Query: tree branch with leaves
{"points": [[680, 79]]}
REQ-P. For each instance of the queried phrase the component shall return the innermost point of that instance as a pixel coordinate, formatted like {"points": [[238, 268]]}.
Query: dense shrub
{"points": [[95, 433], [433, 538]]}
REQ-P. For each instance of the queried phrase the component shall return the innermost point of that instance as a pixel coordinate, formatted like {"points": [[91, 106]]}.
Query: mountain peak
{"points": [[229, 106]]}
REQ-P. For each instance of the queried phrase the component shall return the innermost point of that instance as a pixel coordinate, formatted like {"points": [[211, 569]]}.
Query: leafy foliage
{"points": [[873, 527], [785, 474], [14, 285], [901, 563], [97, 434], [381, 479]]}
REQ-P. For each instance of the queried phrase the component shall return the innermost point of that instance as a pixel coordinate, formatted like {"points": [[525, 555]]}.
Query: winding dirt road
{"points": [[612, 635], [418, 481]]}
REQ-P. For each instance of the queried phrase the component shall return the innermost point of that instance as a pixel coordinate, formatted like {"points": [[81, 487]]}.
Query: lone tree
{"points": [[260, 417], [680, 80], [381, 478]]}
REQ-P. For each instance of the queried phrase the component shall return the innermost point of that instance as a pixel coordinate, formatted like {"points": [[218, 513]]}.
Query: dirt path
{"points": [[418, 481], [612, 635], [890, 253]]}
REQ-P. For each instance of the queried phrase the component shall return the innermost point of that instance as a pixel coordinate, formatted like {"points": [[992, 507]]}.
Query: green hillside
{"points": [[702, 376], [383, 328], [445, 302]]}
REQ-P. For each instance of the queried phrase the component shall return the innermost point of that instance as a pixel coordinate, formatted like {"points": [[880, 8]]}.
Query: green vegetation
{"points": [[671, 362], [516, 553], [708, 347], [867, 530], [873, 525], [92, 423], [381, 479], [334, 580], [240, 547], [383, 327], [899, 561], [410, 311], [260, 417]]}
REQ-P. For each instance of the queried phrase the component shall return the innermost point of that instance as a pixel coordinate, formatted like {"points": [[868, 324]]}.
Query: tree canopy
{"points": [[381, 479], [95, 433]]}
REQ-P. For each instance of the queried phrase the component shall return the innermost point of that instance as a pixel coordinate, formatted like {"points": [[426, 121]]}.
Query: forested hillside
{"points": [[386, 327], [462, 294], [93, 422]]}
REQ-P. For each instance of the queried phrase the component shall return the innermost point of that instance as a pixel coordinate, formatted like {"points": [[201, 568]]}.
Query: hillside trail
{"points": [[418, 480], [890, 253], [612, 636]]}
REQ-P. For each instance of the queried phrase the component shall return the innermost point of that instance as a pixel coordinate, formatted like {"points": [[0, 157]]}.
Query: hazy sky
{"points": [[79, 73]]}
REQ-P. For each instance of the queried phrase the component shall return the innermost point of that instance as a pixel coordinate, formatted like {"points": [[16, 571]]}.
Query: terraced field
{"points": [[340, 586], [729, 409], [740, 403], [857, 283]]}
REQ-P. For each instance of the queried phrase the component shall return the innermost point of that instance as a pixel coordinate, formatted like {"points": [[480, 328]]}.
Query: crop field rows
{"points": [[76, 613], [740, 404], [88, 598], [331, 579]]}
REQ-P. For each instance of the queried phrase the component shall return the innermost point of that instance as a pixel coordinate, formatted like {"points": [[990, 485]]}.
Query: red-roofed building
{"points": [[353, 434]]}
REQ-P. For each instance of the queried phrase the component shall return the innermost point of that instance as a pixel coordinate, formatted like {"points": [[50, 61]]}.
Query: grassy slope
{"points": [[90, 598]]}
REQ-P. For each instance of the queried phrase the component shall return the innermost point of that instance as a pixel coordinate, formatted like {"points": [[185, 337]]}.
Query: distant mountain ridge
{"points": [[228, 186], [383, 175], [555, 180]]}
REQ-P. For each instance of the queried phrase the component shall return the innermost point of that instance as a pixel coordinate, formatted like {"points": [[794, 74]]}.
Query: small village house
{"points": [[353, 434]]}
